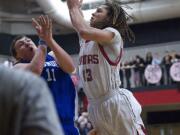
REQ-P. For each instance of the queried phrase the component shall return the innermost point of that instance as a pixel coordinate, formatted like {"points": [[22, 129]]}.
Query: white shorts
{"points": [[116, 113]]}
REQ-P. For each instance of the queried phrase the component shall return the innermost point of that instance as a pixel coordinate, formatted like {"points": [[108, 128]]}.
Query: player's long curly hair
{"points": [[118, 20]]}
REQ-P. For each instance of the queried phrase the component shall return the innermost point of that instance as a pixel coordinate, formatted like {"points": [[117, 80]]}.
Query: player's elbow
{"points": [[84, 33], [71, 69]]}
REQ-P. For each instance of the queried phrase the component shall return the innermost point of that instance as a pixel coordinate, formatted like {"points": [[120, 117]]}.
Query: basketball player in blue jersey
{"points": [[54, 67]]}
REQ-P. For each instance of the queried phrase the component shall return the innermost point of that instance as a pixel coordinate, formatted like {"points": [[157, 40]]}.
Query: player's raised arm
{"points": [[43, 26], [85, 30]]}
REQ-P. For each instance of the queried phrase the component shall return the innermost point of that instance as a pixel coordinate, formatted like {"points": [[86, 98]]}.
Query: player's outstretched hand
{"points": [[43, 26]]}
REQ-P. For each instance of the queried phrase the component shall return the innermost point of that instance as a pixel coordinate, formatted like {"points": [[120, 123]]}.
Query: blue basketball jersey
{"points": [[62, 89]]}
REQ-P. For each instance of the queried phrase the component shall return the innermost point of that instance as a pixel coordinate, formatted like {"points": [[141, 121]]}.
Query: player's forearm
{"points": [[78, 21], [62, 57], [37, 63]]}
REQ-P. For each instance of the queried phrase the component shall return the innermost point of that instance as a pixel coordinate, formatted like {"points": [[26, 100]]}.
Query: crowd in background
{"points": [[132, 72]]}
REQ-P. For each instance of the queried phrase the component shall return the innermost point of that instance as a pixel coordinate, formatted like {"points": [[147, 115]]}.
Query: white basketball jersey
{"points": [[98, 72]]}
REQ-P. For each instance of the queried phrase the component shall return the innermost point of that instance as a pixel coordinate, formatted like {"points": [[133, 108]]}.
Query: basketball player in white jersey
{"points": [[112, 110]]}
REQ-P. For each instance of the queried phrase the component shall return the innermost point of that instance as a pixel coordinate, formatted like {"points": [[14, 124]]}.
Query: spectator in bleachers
{"points": [[139, 71], [156, 59], [148, 59], [174, 57], [127, 72], [83, 103], [166, 64]]}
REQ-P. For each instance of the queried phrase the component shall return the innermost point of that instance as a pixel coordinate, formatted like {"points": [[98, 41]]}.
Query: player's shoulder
{"points": [[117, 36], [111, 29]]}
